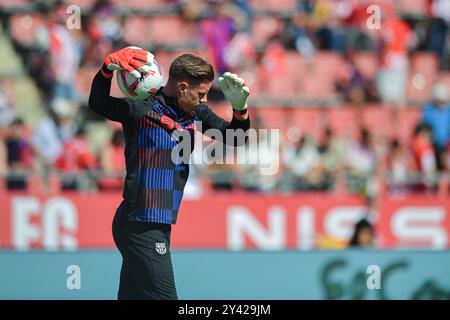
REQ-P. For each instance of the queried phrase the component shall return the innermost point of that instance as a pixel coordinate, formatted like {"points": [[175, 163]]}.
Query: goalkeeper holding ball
{"points": [[154, 183]]}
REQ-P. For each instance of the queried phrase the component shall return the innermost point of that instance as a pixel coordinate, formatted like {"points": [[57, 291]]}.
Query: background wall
{"points": [[236, 275]]}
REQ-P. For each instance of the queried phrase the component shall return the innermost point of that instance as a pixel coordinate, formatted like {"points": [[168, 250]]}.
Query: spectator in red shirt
{"points": [[424, 155], [396, 38], [75, 160]]}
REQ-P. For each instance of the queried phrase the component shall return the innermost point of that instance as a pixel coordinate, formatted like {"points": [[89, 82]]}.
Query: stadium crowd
{"points": [[321, 54]]}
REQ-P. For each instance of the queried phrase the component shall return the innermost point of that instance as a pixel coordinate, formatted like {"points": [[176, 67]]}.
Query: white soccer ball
{"points": [[145, 86]]}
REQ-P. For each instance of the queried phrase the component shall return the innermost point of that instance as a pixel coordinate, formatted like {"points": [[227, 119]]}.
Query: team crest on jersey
{"points": [[161, 248]]}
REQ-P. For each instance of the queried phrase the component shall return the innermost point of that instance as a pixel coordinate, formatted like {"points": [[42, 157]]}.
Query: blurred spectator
{"points": [[221, 176], [76, 155], [353, 86], [112, 162], [76, 158], [333, 150], [438, 30], [424, 154], [245, 13], [51, 132], [192, 10], [111, 156], [19, 155], [322, 17], [399, 165], [240, 56], [436, 114], [303, 165], [355, 20], [362, 163], [7, 109], [261, 157], [363, 235], [396, 38], [104, 31], [216, 32], [7, 115], [64, 53], [295, 36], [225, 27]]}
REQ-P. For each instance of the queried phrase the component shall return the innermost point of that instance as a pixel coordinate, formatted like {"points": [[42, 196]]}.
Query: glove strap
{"points": [[108, 74]]}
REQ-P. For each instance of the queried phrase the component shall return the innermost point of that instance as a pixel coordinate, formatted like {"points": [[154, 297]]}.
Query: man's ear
{"points": [[182, 87]]}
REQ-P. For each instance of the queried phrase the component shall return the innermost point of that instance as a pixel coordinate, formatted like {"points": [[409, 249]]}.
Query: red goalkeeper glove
{"points": [[132, 59]]}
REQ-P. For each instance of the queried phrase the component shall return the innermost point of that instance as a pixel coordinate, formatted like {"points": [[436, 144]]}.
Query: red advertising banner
{"points": [[233, 221]]}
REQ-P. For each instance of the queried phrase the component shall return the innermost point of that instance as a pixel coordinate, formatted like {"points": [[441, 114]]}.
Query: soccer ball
{"points": [[145, 86]]}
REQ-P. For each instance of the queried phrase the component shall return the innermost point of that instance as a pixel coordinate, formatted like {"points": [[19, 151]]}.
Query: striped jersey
{"points": [[155, 178]]}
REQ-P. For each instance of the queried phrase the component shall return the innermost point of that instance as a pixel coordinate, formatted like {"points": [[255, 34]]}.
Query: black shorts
{"points": [[147, 271]]}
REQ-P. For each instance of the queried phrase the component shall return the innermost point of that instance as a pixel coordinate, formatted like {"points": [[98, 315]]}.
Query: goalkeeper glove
{"points": [[234, 90], [131, 59]]}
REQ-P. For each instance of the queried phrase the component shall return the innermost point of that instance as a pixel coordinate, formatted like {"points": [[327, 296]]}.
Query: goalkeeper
{"points": [[154, 183]]}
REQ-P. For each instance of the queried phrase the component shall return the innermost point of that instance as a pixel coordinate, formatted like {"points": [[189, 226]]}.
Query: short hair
{"points": [[193, 69]]}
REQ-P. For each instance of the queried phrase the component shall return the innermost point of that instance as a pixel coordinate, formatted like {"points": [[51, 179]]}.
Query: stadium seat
{"points": [[171, 29], [276, 75], [283, 88], [444, 77], [140, 4], [415, 7], [318, 88], [377, 120], [13, 3], [425, 62], [276, 6], [342, 121], [322, 75], [408, 119], [295, 70], [422, 74], [161, 30], [309, 120], [136, 29], [271, 117]]}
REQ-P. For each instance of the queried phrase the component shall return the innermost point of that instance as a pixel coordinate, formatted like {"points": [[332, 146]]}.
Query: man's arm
{"points": [[210, 120], [236, 93], [131, 59], [101, 102]]}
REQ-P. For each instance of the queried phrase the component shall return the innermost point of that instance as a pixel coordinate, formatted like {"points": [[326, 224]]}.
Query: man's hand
{"points": [[132, 59], [234, 90]]}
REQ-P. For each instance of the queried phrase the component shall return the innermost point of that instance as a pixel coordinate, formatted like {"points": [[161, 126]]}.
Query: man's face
{"points": [[191, 96]]}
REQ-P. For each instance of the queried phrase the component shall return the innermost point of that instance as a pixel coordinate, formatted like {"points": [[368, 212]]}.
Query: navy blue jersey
{"points": [[154, 183]]}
